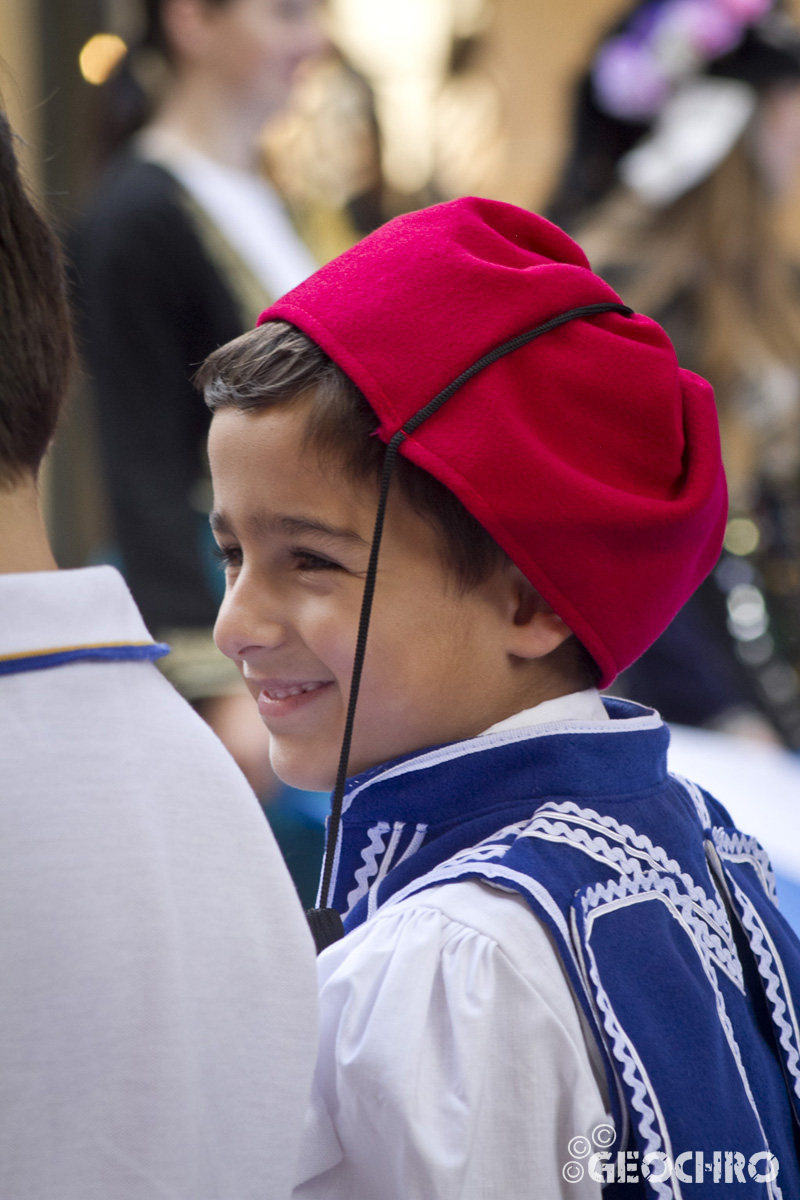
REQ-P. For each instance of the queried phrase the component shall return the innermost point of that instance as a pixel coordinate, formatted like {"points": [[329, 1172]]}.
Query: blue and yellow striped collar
{"points": [[49, 618], [57, 656]]}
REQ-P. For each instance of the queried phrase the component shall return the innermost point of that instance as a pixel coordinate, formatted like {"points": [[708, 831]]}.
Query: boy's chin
{"points": [[303, 771], [303, 776]]}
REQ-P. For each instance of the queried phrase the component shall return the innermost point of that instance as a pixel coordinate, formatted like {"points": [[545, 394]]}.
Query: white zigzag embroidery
{"points": [[369, 856], [494, 846], [696, 797], [613, 894], [643, 1099], [415, 843], [706, 943], [386, 862], [778, 992], [738, 847], [576, 827]]}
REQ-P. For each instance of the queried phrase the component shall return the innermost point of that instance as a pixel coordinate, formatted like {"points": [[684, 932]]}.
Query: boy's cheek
{"points": [[252, 688]]}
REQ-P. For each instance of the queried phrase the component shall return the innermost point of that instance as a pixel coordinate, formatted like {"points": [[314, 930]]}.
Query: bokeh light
{"points": [[101, 56], [742, 536]]}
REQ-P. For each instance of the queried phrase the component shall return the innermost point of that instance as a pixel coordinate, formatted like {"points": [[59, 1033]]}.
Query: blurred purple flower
{"points": [[629, 82], [747, 11], [668, 40], [707, 29]]}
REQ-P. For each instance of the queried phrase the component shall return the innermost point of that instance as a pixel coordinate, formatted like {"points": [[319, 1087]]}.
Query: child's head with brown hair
{"points": [[276, 364], [557, 486], [281, 404]]}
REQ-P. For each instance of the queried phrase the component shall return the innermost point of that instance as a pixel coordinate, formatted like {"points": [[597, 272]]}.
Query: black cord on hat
{"points": [[325, 922]]}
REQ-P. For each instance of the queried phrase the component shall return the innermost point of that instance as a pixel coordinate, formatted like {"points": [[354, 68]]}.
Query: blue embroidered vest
{"points": [[664, 916]]}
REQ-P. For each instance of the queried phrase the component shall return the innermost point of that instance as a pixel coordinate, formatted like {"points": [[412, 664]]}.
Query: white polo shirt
{"points": [[157, 1006]]}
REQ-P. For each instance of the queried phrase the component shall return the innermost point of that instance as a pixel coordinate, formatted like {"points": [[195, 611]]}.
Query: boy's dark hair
{"points": [[35, 332], [276, 364]]}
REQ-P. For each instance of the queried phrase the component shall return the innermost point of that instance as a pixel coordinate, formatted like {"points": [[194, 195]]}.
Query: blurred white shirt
{"points": [[243, 206]]}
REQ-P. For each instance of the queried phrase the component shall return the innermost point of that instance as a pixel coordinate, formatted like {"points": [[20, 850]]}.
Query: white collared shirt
{"points": [[157, 1008], [576, 706]]}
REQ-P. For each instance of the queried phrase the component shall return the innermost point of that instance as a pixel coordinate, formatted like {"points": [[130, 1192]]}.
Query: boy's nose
{"points": [[245, 623]]}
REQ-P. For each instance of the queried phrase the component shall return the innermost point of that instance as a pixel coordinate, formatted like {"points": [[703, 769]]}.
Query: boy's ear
{"points": [[535, 629]]}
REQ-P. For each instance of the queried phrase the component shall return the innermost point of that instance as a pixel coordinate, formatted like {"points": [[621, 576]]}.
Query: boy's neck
{"points": [[24, 545]]}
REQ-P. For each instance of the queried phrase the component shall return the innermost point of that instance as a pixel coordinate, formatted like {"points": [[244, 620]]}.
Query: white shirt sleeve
{"points": [[452, 1061]]}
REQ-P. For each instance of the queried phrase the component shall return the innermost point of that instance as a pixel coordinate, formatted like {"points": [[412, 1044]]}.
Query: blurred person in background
{"points": [[686, 132], [325, 154], [183, 243], [157, 1009]]}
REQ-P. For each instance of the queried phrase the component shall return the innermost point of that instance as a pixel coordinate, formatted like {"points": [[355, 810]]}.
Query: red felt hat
{"points": [[588, 454]]}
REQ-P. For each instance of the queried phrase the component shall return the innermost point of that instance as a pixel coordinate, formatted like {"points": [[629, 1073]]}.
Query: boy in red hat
{"points": [[563, 968]]}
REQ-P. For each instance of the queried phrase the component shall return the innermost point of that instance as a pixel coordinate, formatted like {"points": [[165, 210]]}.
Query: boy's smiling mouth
{"points": [[278, 696]]}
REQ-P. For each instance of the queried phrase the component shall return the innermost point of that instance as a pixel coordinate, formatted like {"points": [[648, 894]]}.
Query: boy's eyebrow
{"points": [[259, 524], [300, 525]]}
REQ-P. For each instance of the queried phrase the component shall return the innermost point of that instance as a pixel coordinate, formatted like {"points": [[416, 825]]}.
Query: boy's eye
{"points": [[228, 556], [305, 560]]}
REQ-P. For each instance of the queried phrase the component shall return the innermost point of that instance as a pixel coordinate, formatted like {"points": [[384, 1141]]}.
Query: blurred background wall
{"points": [[470, 96]]}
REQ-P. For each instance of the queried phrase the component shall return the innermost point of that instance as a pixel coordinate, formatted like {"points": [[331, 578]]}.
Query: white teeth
{"points": [[295, 690]]}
